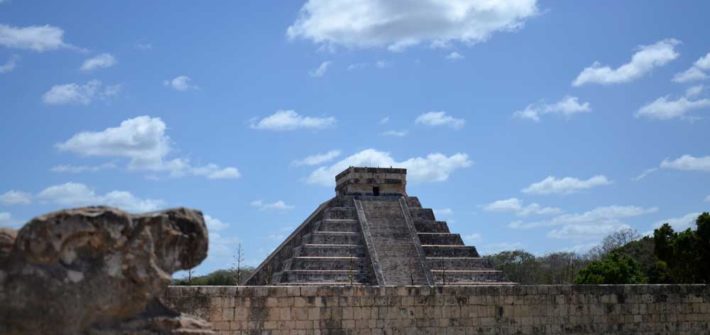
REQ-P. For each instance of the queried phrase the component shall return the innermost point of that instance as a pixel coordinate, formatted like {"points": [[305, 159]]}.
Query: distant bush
{"points": [[614, 268]]}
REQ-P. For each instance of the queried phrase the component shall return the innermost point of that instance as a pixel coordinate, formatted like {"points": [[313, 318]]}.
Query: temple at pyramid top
{"points": [[371, 181], [373, 233]]}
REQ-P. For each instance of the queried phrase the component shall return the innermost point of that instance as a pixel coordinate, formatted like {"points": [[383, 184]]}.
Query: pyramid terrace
{"points": [[373, 233]]}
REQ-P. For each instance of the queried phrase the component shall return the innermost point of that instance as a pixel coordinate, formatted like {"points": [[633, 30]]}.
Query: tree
{"points": [[612, 242], [238, 261], [703, 241], [682, 257], [615, 268], [518, 266], [559, 267]]}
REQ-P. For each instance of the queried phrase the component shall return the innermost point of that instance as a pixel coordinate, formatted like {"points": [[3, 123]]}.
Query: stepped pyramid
{"points": [[373, 233]]}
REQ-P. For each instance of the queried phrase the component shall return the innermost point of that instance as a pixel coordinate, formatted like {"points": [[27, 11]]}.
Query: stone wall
{"points": [[593, 309]]}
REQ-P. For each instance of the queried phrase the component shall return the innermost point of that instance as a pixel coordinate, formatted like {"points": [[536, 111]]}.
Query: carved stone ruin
{"points": [[98, 270]]}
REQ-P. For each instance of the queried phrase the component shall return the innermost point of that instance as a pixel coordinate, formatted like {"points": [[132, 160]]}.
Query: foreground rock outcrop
{"points": [[98, 270]]}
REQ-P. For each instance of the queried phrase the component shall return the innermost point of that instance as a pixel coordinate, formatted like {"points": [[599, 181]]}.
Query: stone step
{"points": [[466, 276], [341, 202], [449, 251], [440, 238], [327, 263], [322, 283], [333, 276], [335, 237], [340, 213], [413, 202], [422, 214], [431, 226], [458, 263], [339, 225], [331, 250]]}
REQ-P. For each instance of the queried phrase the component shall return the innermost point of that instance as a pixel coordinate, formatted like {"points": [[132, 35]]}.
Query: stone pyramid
{"points": [[373, 233]]}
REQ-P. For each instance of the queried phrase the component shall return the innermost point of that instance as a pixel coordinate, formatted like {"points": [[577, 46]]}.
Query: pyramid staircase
{"points": [[450, 261], [333, 252], [374, 239]]}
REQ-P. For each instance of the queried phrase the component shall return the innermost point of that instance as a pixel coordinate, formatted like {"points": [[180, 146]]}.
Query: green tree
{"points": [[703, 244], [682, 257], [615, 268]]}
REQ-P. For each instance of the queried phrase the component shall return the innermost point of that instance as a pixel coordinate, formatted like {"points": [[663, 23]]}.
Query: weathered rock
{"points": [[96, 269]]}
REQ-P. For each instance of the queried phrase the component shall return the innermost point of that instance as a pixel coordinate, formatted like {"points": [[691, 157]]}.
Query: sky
{"points": [[526, 124]]}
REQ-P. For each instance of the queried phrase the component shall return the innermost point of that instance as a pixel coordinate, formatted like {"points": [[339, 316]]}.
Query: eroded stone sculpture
{"points": [[98, 270]]}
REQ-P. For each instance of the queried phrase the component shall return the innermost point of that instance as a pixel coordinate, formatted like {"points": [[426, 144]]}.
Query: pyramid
{"points": [[373, 233]]}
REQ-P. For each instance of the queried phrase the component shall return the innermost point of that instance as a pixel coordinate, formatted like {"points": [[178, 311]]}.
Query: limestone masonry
{"points": [[442, 310], [373, 233]]}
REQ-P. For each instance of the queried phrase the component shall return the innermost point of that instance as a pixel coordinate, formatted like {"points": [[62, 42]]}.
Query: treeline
{"points": [[217, 278], [622, 258]]}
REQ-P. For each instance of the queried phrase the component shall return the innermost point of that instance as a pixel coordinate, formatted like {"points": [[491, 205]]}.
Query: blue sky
{"points": [[542, 125]]}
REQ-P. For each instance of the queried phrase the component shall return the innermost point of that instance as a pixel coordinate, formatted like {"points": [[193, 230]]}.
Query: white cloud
{"points": [[64, 168], [492, 248], [212, 171], [582, 248], [320, 70], [180, 83], [76, 195], [141, 140], [695, 72], [688, 163], [432, 168], [380, 64], [6, 220], [566, 185], [36, 38], [596, 216], [644, 174], [397, 25], [665, 109], [435, 119], [290, 120], [592, 224], [680, 223], [13, 197], [470, 239], [318, 158], [144, 46], [384, 120], [278, 205], [101, 61], [691, 74], [515, 205], [694, 90], [586, 232], [642, 62], [454, 56], [214, 224], [395, 133], [567, 107], [77, 94], [10, 65]]}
